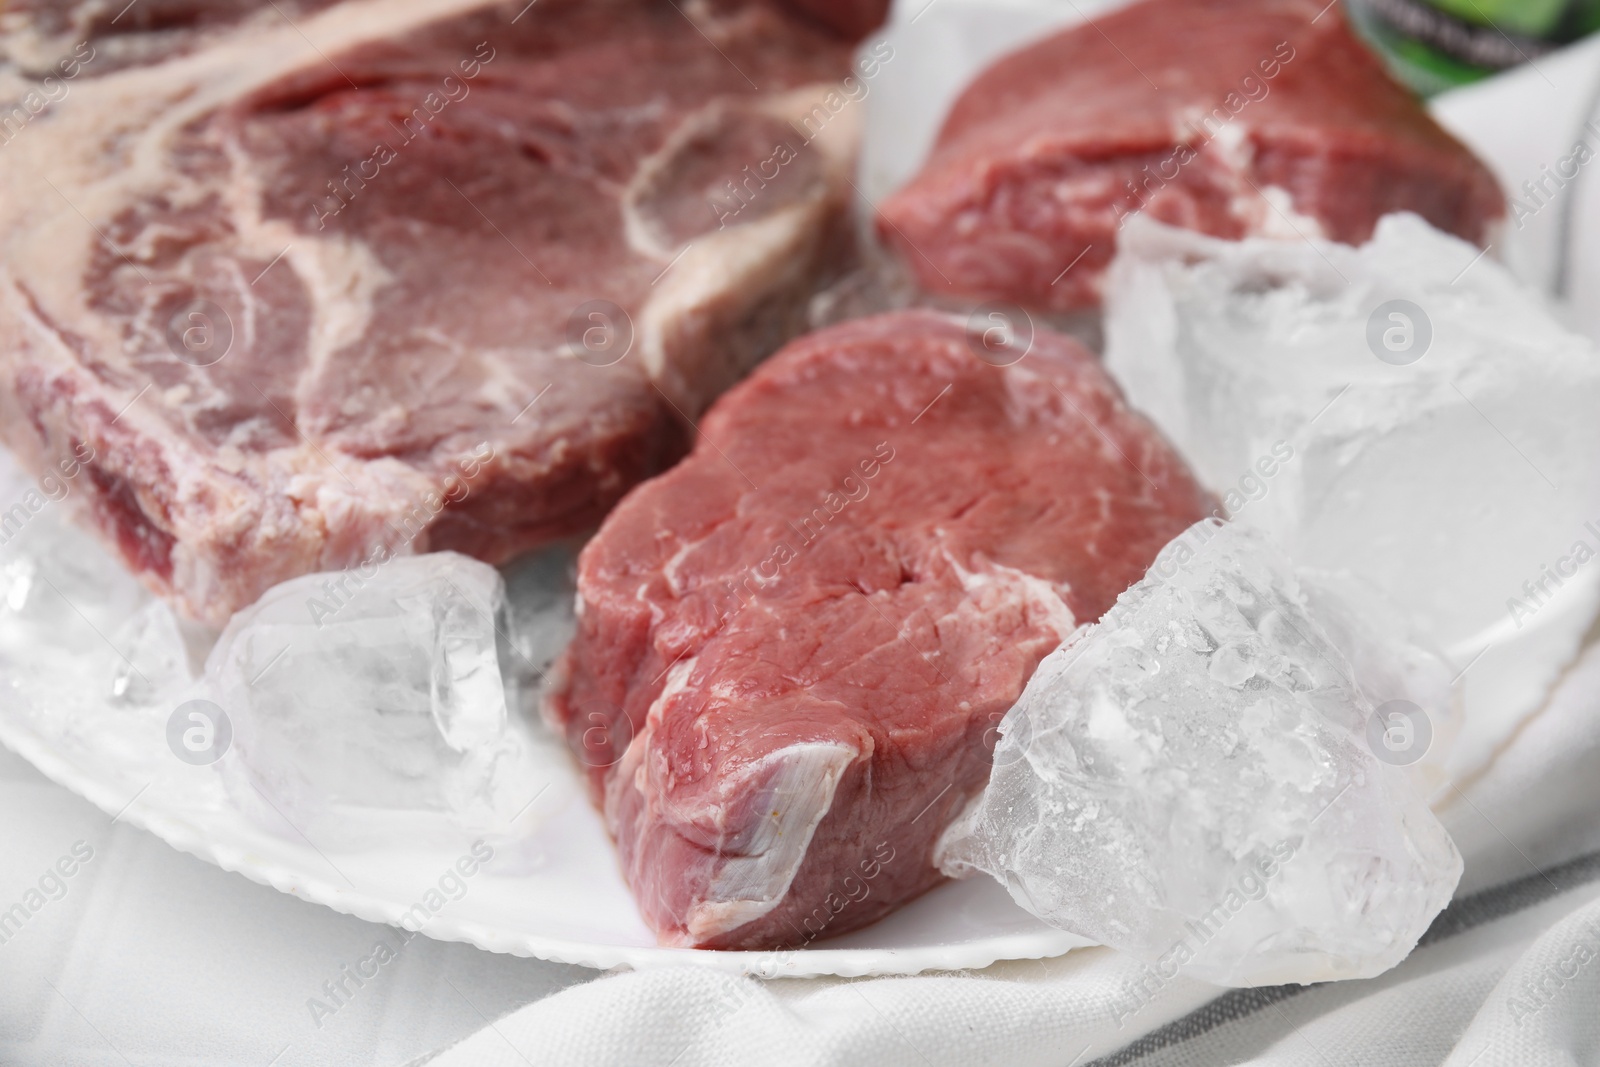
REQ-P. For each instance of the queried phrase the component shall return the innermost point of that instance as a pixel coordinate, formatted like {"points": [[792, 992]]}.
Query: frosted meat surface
{"points": [[1190, 781], [1403, 411], [420, 274]]}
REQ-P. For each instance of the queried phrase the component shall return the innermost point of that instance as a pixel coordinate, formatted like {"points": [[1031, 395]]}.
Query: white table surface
{"points": [[153, 957]]}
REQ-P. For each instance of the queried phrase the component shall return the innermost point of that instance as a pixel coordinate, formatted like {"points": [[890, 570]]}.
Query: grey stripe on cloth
{"points": [[1462, 915], [1569, 204]]}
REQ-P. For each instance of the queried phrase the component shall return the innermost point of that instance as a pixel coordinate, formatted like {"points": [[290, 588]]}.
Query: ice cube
{"points": [[159, 654], [54, 575], [63, 603], [1191, 781], [1403, 411], [1395, 666], [88, 656], [377, 689]]}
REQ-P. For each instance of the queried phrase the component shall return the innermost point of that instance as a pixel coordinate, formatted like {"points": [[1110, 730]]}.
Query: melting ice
{"points": [[391, 692], [1193, 781], [1403, 411]]}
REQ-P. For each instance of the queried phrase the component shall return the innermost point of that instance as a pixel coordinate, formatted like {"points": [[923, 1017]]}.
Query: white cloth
{"points": [[152, 957]]}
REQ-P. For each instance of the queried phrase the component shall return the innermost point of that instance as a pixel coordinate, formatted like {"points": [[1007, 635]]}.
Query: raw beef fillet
{"points": [[1232, 117], [794, 647], [425, 274]]}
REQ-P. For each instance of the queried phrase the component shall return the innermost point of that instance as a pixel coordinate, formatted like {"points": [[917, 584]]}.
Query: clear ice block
{"points": [[1403, 411], [1191, 781], [384, 688]]}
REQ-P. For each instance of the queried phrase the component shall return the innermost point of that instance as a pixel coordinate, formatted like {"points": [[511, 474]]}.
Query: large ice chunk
{"points": [[1191, 781], [1395, 666], [380, 690], [1403, 411]]}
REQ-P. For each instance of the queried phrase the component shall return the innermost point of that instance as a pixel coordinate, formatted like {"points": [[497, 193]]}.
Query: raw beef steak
{"points": [[34, 34], [1232, 117], [794, 647], [433, 274]]}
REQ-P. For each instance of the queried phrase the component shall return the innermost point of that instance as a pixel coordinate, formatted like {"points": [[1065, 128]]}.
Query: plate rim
{"points": [[808, 962]]}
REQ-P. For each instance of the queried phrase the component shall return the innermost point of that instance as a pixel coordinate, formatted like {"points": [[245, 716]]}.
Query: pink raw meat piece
{"points": [[1231, 117], [453, 277], [795, 646]]}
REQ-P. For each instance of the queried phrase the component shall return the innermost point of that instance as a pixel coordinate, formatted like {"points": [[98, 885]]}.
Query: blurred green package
{"points": [[1433, 45]]}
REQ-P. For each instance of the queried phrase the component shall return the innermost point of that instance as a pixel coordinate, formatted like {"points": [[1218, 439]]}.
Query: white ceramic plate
{"points": [[85, 696]]}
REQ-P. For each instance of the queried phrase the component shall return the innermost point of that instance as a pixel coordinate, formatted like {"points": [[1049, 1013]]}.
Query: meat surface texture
{"points": [[794, 648], [35, 34], [1231, 117], [310, 278]]}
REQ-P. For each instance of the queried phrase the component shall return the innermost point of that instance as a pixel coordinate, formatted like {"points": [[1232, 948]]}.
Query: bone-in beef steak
{"points": [[34, 34], [794, 647], [427, 273], [1232, 117]]}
